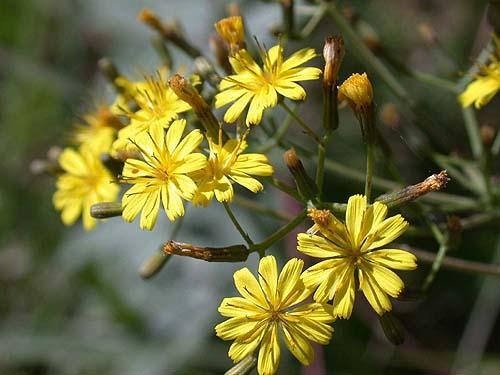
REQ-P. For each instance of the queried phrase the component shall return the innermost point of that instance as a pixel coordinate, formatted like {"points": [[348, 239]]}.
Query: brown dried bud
{"points": [[235, 253], [305, 185], [333, 53], [185, 91], [412, 192]]}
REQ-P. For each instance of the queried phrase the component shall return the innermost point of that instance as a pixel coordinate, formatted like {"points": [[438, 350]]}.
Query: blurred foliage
{"points": [[72, 303]]}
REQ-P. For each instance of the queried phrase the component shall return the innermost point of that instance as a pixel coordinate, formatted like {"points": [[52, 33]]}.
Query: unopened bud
{"points": [[153, 264], [104, 210], [333, 53], [185, 91], [232, 32], [392, 327], [412, 192], [358, 92], [305, 185], [236, 253]]}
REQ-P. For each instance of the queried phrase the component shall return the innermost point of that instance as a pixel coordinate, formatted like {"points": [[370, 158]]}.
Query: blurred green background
{"points": [[72, 302]]}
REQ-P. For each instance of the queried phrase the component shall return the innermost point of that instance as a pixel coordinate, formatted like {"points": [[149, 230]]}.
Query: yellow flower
{"points": [[269, 306], [228, 164], [355, 245], [358, 91], [158, 106], [98, 130], [85, 182], [259, 88], [231, 30], [162, 175], [486, 84]]}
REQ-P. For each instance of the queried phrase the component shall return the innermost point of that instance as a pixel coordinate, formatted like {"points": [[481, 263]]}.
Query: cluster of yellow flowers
{"points": [[166, 164]]}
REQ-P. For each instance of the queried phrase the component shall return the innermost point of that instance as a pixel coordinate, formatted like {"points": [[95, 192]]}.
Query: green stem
{"points": [[436, 265], [279, 234], [301, 122], [320, 171], [472, 128], [435, 81], [261, 208], [313, 22], [240, 229], [277, 136], [370, 162], [285, 189]]}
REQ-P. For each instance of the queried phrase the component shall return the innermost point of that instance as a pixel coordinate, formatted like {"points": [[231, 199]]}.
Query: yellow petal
{"points": [[290, 286], [298, 344], [376, 297], [268, 279], [249, 288], [239, 350], [269, 352], [393, 258], [356, 206], [318, 247]]}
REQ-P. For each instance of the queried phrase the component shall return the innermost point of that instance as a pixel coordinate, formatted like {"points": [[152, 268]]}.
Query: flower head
{"points": [[356, 245], [158, 106], [269, 306], [358, 91], [98, 130], [258, 87], [162, 175], [227, 164], [486, 84], [85, 182]]}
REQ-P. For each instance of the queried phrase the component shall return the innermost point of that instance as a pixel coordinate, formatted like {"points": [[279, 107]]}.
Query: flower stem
{"points": [[301, 122], [279, 234], [370, 156], [240, 229], [457, 264]]}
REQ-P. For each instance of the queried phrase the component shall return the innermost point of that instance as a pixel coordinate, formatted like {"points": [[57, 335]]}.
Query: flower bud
{"points": [[185, 91], [232, 32], [153, 264], [104, 210], [392, 327], [305, 185], [358, 91], [236, 253], [333, 53]]}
